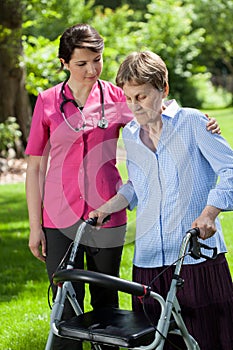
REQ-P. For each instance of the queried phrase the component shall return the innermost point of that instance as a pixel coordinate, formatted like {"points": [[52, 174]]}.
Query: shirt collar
{"points": [[134, 126], [171, 108]]}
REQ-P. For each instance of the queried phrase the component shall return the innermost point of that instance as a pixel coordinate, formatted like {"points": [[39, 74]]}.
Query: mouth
{"points": [[92, 78], [139, 112]]}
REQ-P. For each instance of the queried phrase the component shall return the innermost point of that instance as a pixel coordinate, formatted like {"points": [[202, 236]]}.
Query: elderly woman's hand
{"points": [[102, 217], [206, 222]]}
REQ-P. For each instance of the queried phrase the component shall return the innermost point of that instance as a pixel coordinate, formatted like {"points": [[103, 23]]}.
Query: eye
{"points": [[97, 59], [80, 63], [141, 97]]}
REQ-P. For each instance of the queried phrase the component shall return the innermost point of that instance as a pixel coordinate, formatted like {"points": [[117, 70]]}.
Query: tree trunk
{"points": [[14, 100]]}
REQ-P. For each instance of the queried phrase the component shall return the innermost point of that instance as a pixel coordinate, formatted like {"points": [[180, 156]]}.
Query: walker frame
{"points": [[122, 328]]}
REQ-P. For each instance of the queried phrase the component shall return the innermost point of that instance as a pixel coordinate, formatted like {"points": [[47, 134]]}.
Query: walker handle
{"points": [[93, 221], [79, 233], [195, 246]]}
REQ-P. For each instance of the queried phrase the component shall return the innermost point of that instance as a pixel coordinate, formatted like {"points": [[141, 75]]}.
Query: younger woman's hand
{"points": [[37, 243], [213, 126]]}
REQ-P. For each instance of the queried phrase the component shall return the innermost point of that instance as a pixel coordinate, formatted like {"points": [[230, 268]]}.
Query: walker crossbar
{"points": [[101, 280]]}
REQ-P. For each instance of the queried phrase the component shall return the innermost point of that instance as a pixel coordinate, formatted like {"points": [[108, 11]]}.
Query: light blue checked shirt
{"points": [[171, 186]]}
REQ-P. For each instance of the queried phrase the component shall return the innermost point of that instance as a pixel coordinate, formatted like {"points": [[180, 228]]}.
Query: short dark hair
{"points": [[79, 36]]}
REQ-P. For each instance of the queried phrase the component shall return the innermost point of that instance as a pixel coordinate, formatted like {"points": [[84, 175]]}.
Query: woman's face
{"points": [[144, 101], [85, 66]]}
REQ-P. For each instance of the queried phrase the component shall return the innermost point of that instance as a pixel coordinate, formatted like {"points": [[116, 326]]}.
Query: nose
{"points": [[91, 68], [134, 105]]}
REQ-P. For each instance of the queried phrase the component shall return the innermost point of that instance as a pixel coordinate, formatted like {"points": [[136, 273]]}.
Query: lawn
{"points": [[23, 289]]}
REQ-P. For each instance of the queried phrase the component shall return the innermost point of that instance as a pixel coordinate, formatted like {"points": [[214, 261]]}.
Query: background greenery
{"points": [[193, 37], [182, 32], [23, 289]]}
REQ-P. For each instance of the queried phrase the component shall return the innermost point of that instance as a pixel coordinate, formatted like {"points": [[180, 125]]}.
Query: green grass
{"points": [[23, 304], [23, 289], [225, 120]]}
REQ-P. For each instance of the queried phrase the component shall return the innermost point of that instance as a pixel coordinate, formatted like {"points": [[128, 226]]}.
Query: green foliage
{"points": [[211, 96], [113, 4], [179, 31], [120, 37], [44, 22], [168, 31], [49, 18], [9, 135], [216, 18], [42, 64], [217, 47], [41, 53]]}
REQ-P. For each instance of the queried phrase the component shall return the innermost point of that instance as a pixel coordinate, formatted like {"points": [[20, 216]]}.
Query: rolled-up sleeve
{"points": [[128, 192], [221, 196], [220, 156]]}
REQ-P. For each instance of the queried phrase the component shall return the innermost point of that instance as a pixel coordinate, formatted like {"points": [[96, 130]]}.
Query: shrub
{"points": [[9, 135]]}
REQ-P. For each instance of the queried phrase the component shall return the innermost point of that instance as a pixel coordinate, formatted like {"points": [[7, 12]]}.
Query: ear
{"points": [[166, 90], [65, 65]]}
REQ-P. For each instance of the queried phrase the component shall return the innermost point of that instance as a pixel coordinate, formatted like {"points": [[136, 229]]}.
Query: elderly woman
{"points": [[173, 166]]}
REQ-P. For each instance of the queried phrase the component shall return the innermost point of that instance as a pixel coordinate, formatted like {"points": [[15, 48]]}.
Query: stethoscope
{"points": [[102, 123]]}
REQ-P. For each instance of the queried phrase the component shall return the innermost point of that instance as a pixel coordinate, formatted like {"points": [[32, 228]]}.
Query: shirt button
{"points": [[80, 197]]}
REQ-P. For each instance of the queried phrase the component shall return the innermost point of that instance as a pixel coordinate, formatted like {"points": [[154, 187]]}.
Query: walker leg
{"points": [[63, 292], [49, 340], [190, 342]]}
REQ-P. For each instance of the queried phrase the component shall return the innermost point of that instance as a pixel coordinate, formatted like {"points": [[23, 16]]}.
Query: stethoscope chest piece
{"points": [[103, 123]]}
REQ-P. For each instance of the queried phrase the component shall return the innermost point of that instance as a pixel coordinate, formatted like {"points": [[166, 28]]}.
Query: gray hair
{"points": [[141, 68]]}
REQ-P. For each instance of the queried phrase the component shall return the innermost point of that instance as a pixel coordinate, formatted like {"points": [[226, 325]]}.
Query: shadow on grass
{"points": [[18, 268]]}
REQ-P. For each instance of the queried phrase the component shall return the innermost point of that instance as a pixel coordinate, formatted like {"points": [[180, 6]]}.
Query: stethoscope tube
{"points": [[102, 123]]}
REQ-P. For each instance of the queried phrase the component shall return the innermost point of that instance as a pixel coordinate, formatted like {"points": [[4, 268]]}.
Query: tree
{"points": [[29, 22], [168, 31], [119, 29], [114, 4], [14, 98], [216, 48]]}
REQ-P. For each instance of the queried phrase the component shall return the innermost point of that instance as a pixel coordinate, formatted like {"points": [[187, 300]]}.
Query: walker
{"points": [[114, 326]]}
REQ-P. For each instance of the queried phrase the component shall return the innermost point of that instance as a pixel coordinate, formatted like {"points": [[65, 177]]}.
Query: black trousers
{"points": [[103, 250]]}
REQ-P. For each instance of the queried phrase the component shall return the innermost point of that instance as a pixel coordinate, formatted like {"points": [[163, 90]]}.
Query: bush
{"points": [[9, 135]]}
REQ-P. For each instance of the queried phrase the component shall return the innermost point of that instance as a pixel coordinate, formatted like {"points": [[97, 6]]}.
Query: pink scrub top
{"points": [[82, 171]]}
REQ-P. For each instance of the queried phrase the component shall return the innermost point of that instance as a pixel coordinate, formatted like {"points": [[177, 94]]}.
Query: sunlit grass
{"points": [[225, 120]]}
